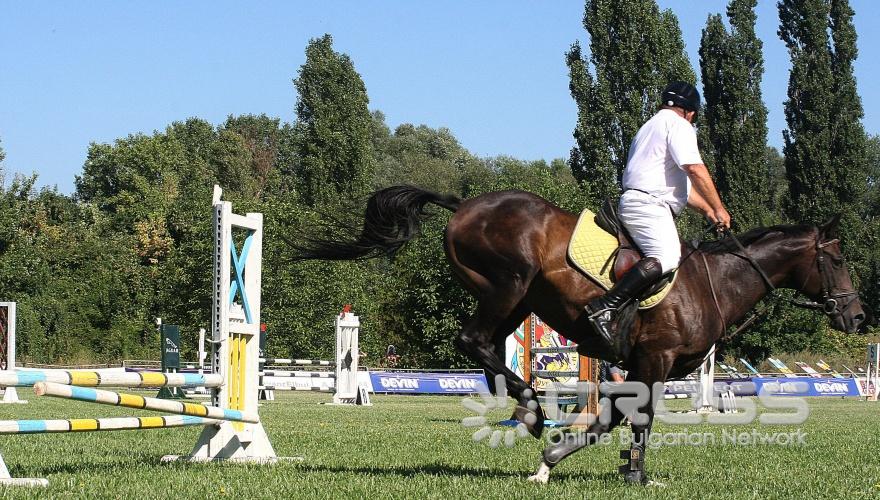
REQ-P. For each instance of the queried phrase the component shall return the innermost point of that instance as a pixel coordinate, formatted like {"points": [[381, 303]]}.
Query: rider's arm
{"points": [[698, 203], [702, 183]]}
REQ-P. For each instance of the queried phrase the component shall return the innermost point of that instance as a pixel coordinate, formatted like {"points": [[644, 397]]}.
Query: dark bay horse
{"points": [[509, 249]]}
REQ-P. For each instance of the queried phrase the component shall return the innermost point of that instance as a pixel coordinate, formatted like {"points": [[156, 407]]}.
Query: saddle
{"points": [[628, 252]]}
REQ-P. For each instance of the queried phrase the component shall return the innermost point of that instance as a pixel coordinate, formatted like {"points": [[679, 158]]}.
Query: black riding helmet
{"points": [[681, 94]]}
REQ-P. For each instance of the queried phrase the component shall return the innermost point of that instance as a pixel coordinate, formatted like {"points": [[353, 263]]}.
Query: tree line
{"points": [[91, 271]]}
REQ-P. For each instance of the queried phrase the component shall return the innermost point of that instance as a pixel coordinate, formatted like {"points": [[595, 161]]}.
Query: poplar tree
{"points": [[824, 148], [732, 65], [848, 139], [826, 158], [635, 50], [333, 147]]}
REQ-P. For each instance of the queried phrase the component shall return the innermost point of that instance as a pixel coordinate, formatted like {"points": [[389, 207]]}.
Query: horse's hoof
{"points": [[542, 475], [533, 420], [655, 484], [636, 477]]}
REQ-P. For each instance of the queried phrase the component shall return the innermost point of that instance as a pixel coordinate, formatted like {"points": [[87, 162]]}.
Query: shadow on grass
{"points": [[458, 421], [79, 466], [442, 470], [445, 420], [411, 471]]}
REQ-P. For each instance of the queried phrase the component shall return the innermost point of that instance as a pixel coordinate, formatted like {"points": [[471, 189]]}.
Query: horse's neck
{"points": [[739, 286]]}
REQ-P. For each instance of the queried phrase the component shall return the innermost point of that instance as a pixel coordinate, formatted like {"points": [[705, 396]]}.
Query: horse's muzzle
{"points": [[850, 317]]}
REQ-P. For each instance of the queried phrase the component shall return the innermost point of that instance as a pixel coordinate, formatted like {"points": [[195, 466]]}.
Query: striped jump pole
{"points": [[143, 403], [555, 373], [289, 361], [100, 424], [293, 388], [285, 373], [87, 378]]}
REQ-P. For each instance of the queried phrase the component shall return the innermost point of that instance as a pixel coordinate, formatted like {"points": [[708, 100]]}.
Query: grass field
{"points": [[416, 447]]}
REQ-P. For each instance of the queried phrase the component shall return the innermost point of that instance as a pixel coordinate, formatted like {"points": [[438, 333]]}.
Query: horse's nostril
{"points": [[859, 318]]}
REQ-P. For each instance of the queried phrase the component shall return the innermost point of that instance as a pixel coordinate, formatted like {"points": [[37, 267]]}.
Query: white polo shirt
{"points": [[661, 147]]}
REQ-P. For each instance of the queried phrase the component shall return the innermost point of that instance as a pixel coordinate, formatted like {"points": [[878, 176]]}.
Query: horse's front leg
{"points": [[650, 376], [569, 442], [634, 469]]}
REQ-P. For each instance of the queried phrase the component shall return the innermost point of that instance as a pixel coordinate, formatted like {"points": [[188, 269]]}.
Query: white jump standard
{"points": [[342, 380], [7, 349], [235, 337], [232, 428]]}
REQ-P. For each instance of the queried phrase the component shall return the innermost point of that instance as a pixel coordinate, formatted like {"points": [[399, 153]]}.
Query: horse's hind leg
{"points": [[504, 330], [477, 340]]}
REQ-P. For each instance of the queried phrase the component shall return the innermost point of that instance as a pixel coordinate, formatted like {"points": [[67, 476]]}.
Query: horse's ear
{"points": [[829, 229]]}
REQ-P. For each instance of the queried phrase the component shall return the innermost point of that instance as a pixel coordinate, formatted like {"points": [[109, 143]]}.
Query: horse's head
{"points": [[827, 282]]}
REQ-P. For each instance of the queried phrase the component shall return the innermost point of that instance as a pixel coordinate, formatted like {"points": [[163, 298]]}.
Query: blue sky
{"points": [[493, 72]]}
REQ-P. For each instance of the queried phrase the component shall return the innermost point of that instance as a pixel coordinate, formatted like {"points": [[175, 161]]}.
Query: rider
{"points": [[664, 172]]}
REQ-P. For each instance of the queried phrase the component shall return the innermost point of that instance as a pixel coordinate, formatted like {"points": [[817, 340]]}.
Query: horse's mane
{"points": [[727, 245]]}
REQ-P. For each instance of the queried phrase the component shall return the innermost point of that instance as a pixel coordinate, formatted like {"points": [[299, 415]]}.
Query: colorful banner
{"points": [[780, 366], [740, 387], [749, 366], [866, 387], [805, 386], [825, 366], [427, 383], [544, 337]]}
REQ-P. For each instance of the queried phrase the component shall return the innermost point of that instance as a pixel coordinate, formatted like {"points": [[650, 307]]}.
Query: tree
{"points": [[872, 188], [261, 136], [419, 155], [848, 138], [635, 50], [134, 180], [732, 65], [825, 142], [332, 126]]}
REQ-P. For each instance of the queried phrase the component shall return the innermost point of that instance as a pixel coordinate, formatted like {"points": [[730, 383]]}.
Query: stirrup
{"points": [[596, 314], [616, 346]]}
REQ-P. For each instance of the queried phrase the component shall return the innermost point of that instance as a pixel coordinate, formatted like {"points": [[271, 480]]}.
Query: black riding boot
{"points": [[603, 310]]}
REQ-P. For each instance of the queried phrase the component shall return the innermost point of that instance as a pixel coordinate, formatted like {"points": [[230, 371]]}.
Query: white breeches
{"points": [[650, 223]]}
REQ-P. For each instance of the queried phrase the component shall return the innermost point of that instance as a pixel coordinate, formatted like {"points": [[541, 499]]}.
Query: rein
{"points": [[755, 315]]}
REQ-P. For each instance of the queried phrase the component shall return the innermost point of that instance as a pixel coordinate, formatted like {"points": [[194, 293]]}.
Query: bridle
{"points": [[831, 300]]}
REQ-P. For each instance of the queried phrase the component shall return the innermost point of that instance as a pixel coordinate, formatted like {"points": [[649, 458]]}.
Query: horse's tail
{"points": [[394, 216]]}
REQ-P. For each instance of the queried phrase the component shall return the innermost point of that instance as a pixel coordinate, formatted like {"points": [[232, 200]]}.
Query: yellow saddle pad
{"points": [[590, 251]]}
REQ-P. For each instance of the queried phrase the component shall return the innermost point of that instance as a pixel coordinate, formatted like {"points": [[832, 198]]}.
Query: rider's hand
{"points": [[720, 217]]}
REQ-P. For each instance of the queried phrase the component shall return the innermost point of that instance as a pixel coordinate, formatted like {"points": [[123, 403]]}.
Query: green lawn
{"points": [[416, 447]]}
